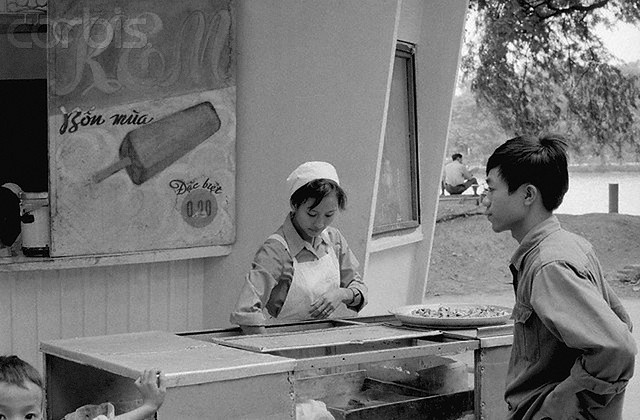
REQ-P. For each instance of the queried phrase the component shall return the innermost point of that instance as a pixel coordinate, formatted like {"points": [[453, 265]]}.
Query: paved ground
{"points": [[632, 402]]}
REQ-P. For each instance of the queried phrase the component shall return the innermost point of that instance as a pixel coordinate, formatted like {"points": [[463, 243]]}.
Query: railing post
{"points": [[613, 198]]}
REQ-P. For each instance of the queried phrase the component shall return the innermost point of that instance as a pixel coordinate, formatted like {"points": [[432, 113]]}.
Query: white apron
{"points": [[310, 280]]}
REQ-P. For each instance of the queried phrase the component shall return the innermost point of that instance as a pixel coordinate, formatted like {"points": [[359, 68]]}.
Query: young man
{"points": [[573, 353], [457, 178]]}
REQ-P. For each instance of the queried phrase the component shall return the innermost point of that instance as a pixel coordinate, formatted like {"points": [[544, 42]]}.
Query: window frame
{"points": [[408, 51]]}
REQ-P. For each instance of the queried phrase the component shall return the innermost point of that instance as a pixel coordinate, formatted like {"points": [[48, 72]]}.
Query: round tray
{"points": [[404, 315]]}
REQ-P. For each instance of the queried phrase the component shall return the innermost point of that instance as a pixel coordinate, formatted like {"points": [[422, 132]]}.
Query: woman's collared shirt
{"points": [[267, 283]]}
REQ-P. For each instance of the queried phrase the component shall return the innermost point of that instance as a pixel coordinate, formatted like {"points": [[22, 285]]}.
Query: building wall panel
{"points": [[43, 305]]}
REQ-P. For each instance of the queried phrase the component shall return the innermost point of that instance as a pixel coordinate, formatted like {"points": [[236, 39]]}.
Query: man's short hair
{"points": [[541, 162], [456, 156]]}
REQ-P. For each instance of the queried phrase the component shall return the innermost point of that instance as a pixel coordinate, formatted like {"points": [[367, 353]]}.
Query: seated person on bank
{"points": [[457, 178]]}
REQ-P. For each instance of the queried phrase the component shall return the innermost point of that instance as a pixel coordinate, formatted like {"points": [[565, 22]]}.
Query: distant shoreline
{"points": [[625, 167], [583, 167]]}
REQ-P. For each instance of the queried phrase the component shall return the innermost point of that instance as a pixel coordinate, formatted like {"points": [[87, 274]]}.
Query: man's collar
{"points": [[533, 238]]}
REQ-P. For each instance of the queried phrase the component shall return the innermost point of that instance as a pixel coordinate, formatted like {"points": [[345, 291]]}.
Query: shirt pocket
{"points": [[526, 345]]}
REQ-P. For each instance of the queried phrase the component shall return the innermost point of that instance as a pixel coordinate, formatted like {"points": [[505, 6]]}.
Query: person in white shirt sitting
{"points": [[457, 178]]}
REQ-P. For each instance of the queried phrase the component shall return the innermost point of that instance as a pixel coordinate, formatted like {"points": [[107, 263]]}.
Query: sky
{"points": [[623, 41]]}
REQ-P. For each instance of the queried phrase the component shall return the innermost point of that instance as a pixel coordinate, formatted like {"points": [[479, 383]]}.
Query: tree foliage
{"points": [[539, 66], [473, 130]]}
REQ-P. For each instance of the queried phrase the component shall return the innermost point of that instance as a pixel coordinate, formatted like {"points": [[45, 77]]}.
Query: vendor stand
{"points": [[361, 368]]}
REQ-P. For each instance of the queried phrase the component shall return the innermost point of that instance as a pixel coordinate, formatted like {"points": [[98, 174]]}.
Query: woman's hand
{"points": [[326, 304], [253, 329]]}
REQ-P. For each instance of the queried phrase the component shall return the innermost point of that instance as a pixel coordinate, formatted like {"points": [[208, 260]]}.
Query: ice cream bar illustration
{"points": [[147, 150]]}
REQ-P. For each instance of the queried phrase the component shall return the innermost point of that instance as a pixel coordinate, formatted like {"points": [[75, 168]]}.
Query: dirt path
{"points": [[468, 258]]}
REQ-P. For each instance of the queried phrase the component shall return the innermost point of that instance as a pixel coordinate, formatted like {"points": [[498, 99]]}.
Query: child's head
{"points": [[541, 162], [21, 390]]}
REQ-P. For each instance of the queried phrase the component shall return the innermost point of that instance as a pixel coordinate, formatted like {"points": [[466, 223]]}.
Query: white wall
{"points": [[312, 85], [50, 304], [398, 276], [321, 93]]}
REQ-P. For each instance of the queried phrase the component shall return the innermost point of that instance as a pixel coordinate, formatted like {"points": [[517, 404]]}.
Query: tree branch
{"points": [[545, 9]]}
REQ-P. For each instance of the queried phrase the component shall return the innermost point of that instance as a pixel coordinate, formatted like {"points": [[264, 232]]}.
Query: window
{"points": [[25, 158], [398, 194]]}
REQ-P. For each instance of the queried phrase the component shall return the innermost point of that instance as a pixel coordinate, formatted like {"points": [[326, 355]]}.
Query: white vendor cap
{"points": [[310, 171]]}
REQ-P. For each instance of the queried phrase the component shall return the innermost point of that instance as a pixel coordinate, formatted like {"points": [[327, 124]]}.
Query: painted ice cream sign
{"points": [[142, 124]]}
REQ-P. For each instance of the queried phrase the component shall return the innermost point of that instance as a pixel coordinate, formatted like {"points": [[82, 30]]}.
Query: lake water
{"points": [[589, 193]]}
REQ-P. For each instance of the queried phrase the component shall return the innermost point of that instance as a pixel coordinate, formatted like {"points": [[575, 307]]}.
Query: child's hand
{"points": [[151, 384]]}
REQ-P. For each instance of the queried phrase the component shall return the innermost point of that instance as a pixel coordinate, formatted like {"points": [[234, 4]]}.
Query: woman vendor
{"points": [[305, 270]]}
